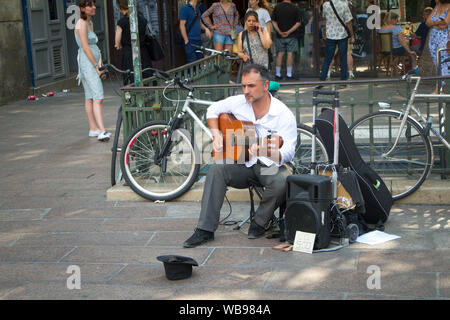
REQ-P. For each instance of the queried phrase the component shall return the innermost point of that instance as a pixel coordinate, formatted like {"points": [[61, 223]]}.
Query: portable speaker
{"points": [[308, 200]]}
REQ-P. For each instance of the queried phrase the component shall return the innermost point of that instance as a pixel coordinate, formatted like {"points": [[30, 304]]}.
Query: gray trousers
{"points": [[220, 176]]}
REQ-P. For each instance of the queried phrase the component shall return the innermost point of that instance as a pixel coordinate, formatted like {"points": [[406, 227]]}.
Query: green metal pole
{"points": [[134, 30]]}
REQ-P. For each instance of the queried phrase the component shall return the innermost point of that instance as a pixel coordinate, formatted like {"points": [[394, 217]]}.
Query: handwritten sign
{"points": [[304, 242]]}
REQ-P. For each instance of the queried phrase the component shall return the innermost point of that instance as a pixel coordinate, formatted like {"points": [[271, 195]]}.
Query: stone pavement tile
{"points": [[410, 240], [77, 212], [36, 272], [152, 224], [130, 255], [33, 254], [53, 225], [62, 191], [31, 201], [239, 210], [444, 285], [407, 261], [8, 239], [236, 257], [251, 294], [78, 239], [418, 218], [373, 295], [22, 214], [441, 240], [202, 276], [222, 239], [330, 280], [88, 291]]}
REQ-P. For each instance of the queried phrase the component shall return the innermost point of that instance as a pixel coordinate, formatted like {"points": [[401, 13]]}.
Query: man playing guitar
{"points": [[266, 164]]}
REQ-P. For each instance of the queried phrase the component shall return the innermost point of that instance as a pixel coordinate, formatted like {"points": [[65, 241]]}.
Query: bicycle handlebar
{"points": [[158, 73], [224, 53]]}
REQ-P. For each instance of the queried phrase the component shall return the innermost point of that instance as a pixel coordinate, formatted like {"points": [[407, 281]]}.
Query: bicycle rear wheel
{"points": [[303, 150], [173, 175], [409, 164], [116, 171]]}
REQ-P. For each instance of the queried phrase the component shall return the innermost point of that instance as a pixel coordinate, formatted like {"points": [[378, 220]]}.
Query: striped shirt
{"points": [[219, 18]]}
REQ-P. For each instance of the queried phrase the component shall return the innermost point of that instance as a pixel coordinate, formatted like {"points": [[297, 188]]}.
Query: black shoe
{"points": [[255, 231], [278, 78], [292, 78], [199, 237]]}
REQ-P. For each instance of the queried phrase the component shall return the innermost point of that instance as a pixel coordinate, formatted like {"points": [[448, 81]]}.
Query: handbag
{"points": [[233, 34], [153, 46]]}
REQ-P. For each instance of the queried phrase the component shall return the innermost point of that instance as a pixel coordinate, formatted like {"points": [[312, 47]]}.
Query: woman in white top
{"points": [[262, 9]]}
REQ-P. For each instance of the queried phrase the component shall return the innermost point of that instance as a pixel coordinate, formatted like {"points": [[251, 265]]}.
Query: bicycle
{"points": [[160, 161], [116, 172], [396, 145]]}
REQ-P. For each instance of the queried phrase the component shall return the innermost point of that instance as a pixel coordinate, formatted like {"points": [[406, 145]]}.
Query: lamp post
{"points": [[135, 46]]}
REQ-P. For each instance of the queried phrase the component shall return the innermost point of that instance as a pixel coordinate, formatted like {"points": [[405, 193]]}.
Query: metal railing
{"points": [[357, 97]]}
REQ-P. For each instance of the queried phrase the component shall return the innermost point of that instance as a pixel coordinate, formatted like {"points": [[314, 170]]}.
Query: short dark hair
{"points": [[257, 68], [84, 4]]}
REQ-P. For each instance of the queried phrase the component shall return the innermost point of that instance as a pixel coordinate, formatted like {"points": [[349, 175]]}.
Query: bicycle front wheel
{"points": [[157, 177], [303, 150], [407, 166]]}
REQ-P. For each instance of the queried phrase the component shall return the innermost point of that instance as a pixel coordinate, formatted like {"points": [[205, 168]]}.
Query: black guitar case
{"points": [[377, 197]]}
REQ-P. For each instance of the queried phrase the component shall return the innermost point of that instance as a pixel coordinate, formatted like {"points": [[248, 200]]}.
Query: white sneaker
{"points": [[94, 133], [104, 136]]}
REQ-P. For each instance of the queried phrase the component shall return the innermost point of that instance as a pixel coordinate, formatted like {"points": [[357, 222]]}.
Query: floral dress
{"points": [[438, 39]]}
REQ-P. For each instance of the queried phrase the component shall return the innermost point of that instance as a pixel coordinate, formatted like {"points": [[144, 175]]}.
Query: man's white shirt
{"points": [[280, 120]]}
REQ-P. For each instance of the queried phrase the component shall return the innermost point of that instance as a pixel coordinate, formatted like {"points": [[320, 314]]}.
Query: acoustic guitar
{"points": [[238, 136]]}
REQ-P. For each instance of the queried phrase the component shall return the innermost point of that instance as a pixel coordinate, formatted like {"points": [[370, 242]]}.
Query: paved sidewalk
{"points": [[54, 214]]}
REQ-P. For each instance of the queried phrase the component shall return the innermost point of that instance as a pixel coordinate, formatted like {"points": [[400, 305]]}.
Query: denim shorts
{"points": [[221, 38]]}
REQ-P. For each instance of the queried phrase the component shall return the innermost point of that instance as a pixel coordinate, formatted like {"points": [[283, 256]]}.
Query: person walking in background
{"points": [[420, 35], [399, 44], [254, 42], [337, 34], [89, 61], [438, 23], [286, 19], [191, 30], [261, 7], [225, 18], [206, 37], [123, 42]]}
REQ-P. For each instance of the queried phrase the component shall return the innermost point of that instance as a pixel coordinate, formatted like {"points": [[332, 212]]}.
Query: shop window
{"points": [[52, 10], [388, 4]]}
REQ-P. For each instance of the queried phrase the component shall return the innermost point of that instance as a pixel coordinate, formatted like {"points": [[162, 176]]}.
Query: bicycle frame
{"points": [[410, 106], [175, 124]]}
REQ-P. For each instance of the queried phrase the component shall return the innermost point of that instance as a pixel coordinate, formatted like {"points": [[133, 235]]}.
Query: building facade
{"points": [[39, 49]]}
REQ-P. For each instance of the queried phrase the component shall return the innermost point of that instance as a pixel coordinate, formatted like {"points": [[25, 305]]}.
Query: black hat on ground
{"points": [[177, 267]]}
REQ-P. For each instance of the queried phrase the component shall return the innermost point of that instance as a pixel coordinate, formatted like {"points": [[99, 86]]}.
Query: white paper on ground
{"points": [[376, 237]]}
